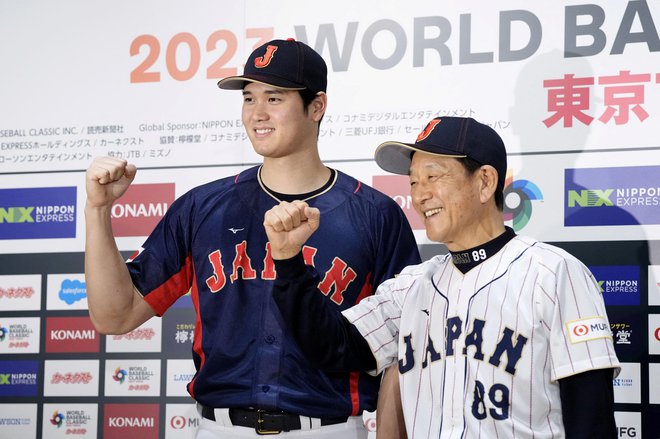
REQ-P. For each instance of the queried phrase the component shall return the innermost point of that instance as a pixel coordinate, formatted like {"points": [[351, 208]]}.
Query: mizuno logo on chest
{"points": [[335, 282]]}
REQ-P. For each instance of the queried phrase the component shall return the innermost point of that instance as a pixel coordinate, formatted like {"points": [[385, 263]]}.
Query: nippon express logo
{"points": [[518, 197], [37, 213], [612, 196], [619, 284], [19, 378]]}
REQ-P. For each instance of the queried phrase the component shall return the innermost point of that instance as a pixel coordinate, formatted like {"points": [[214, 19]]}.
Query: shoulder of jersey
{"points": [[426, 268], [364, 191], [550, 255], [222, 185]]}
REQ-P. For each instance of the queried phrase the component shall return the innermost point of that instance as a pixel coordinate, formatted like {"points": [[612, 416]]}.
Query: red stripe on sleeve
{"points": [[367, 289], [355, 394], [197, 340], [176, 286]]}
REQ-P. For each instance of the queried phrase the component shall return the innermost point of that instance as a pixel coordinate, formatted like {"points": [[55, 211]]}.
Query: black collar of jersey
{"points": [[466, 260], [292, 197]]}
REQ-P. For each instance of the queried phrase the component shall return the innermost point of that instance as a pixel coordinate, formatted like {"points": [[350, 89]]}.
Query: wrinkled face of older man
{"points": [[447, 198]]}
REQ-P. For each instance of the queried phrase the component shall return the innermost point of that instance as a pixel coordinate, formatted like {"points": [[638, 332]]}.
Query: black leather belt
{"points": [[266, 421]]}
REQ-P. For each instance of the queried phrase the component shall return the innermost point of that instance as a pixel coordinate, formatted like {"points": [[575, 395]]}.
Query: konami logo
{"points": [[131, 420], [71, 334], [134, 421], [138, 211]]}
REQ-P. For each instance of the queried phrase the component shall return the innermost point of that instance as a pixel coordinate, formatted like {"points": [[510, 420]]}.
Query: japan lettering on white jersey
{"points": [[480, 353]]}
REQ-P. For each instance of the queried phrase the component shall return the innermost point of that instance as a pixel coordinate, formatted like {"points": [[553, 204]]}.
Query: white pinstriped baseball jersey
{"points": [[480, 353]]}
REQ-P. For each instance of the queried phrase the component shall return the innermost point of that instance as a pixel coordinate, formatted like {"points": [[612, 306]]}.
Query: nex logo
{"points": [[4, 378], [590, 198], [16, 215]]}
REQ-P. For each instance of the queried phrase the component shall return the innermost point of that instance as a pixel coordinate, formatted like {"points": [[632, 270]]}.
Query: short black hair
{"points": [[471, 166], [308, 96]]}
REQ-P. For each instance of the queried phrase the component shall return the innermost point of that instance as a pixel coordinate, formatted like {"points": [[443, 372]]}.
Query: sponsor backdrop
{"points": [[573, 87]]}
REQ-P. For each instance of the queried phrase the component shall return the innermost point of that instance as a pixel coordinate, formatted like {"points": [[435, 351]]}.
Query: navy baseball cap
{"points": [[286, 64], [450, 137]]}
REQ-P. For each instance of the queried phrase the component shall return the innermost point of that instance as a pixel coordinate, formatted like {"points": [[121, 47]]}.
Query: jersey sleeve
{"points": [[580, 335], [327, 338], [591, 389], [378, 317], [162, 271], [397, 247]]}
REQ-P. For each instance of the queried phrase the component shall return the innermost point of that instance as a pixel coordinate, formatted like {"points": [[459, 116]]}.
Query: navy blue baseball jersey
{"points": [[212, 242]]}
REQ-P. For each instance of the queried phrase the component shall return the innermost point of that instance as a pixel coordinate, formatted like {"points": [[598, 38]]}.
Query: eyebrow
{"points": [[433, 165], [273, 91]]}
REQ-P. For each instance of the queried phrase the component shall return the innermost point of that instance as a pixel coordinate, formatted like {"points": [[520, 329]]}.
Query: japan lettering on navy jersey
{"points": [[212, 242]]}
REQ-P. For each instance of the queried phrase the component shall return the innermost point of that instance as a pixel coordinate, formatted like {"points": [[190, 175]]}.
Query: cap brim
{"points": [[395, 157], [238, 82]]}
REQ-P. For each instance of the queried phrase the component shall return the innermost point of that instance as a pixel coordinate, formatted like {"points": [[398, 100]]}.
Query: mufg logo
{"points": [[34, 213], [612, 196], [518, 197]]}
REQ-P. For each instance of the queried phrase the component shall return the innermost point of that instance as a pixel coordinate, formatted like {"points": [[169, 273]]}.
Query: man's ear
{"points": [[487, 176], [319, 105]]}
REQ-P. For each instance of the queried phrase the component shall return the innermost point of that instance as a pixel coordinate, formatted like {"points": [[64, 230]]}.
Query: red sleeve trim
{"points": [[176, 286]]}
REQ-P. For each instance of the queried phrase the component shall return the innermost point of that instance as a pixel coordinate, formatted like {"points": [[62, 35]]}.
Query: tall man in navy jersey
{"points": [[252, 377]]}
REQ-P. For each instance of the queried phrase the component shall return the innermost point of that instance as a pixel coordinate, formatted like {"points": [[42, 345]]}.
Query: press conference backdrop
{"points": [[573, 87]]}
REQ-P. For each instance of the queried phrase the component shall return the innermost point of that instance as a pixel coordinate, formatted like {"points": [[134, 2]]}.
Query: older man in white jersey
{"points": [[504, 336]]}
